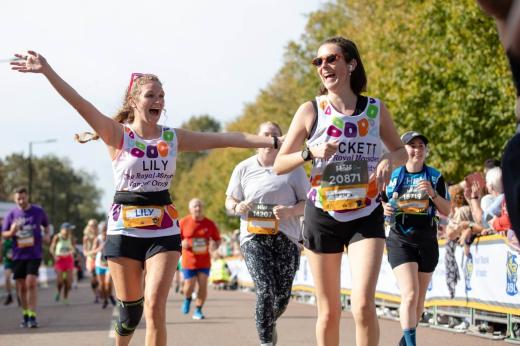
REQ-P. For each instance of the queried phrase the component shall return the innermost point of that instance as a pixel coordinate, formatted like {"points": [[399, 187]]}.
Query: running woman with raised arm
{"points": [[143, 230]]}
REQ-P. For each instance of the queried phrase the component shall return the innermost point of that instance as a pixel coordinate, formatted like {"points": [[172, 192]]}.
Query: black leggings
{"points": [[272, 262]]}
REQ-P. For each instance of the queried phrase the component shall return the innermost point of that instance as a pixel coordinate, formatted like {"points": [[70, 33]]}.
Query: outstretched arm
{"points": [[108, 129], [197, 141]]}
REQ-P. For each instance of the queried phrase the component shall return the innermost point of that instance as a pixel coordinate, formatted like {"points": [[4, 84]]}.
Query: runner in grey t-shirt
{"points": [[269, 207]]}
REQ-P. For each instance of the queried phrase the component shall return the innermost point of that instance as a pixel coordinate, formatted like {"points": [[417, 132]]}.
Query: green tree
{"points": [[4, 195], [186, 160], [200, 123]]}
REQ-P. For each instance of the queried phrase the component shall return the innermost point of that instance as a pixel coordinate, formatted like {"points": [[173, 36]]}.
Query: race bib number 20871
{"points": [[344, 185]]}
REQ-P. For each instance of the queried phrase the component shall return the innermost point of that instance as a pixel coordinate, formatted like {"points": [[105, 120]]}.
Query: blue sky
{"points": [[212, 57]]}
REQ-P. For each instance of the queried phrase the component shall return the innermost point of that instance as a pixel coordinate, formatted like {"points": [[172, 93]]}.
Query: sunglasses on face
{"points": [[329, 59]]}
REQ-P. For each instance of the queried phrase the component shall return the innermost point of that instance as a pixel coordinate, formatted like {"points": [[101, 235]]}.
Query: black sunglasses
{"points": [[329, 59]]}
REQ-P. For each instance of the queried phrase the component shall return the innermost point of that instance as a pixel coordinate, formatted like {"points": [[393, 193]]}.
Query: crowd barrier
{"points": [[488, 288]]}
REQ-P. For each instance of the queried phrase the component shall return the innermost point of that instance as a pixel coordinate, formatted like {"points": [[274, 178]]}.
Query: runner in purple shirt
{"points": [[25, 224]]}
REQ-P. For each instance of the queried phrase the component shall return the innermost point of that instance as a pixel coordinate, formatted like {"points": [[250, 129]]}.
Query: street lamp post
{"points": [[30, 160]]}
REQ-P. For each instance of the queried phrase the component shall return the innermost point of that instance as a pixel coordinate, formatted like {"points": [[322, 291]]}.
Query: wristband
{"points": [[275, 142]]}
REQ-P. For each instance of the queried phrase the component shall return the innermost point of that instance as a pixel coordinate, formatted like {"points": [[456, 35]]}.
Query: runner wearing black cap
{"points": [[412, 246]]}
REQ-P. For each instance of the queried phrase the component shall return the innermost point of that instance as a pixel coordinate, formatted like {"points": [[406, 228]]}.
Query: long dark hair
{"points": [[358, 77]]}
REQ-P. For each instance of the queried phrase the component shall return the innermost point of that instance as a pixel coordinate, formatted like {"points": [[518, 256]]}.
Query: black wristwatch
{"points": [[306, 154]]}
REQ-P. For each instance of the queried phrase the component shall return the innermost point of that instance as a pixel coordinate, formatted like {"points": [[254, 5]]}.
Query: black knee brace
{"points": [[94, 285], [130, 314]]}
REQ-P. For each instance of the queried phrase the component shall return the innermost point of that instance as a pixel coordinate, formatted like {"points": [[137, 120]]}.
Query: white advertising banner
{"points": [[488, 278]]}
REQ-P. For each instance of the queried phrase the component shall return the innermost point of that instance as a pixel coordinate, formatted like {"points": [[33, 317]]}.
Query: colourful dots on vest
{"points": [[135, 152], [140, 146], [162, 147], [323, 104], [350, 130], [312, 195], [168, 136], [372, 111], [363, 127], [333, 131], [151, 152], [328, 110], [116, 210]]}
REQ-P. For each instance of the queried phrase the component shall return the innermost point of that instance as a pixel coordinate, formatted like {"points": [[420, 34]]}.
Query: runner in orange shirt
{"points": [[197, 234]]}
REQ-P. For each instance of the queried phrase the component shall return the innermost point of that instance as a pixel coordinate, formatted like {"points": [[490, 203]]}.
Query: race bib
{"points": [[261, 219], [199, 246], [414, 202], [25, 237], [139, 216], [344, 185]]}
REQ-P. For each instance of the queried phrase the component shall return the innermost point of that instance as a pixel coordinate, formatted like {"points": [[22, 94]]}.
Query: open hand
{"points": [[30, 62]]}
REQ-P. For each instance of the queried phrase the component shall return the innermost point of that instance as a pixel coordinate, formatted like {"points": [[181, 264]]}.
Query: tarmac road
{"points": [[229, 321]]}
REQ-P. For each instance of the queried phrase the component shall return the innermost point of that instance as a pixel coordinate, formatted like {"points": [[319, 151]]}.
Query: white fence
{"points": [[488, 282]]}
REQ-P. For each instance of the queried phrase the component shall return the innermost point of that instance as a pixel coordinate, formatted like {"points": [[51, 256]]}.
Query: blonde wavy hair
{"points": [[125, 115]]}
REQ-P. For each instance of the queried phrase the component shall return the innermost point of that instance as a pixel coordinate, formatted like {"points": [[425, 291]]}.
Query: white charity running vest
{"points": [[144, 165], [341, 185]]}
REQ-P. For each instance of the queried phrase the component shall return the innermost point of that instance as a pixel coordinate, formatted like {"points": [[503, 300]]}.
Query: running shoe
{"points": [[32, 323], [105, 304], [65, 301], [57, 297], [8, 299], [112, 300], [186, 306], [25, 322], [198, 315]]}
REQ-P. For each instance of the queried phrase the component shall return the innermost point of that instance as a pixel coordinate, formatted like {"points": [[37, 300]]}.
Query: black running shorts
{"points": [[140, 249], [22, 268], [324, 234], [425, 254]]}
